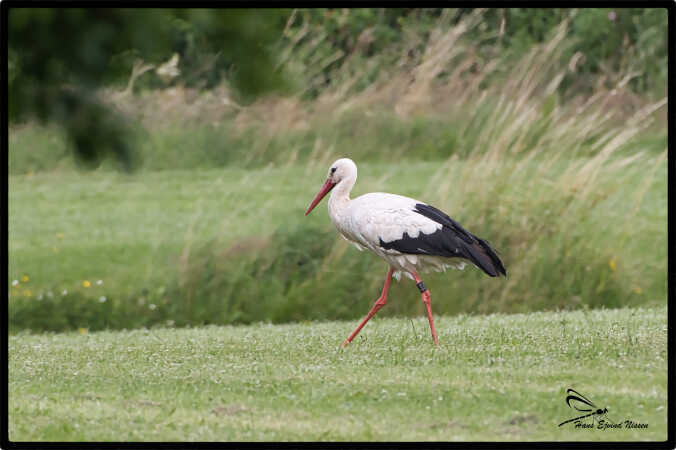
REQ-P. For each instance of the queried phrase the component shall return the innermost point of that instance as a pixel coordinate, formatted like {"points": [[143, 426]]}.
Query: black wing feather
{"points": [[452, 240]]}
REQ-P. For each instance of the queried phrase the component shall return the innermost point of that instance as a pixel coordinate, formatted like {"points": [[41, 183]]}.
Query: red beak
{"points": [[320, 195]]}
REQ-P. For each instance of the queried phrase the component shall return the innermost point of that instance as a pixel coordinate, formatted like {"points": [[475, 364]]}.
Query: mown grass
{"points": [[494, 377], [233, 246]]}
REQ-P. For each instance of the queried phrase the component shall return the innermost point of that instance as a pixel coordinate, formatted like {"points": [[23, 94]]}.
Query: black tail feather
{"points": [[489, 260], [471, 247]]}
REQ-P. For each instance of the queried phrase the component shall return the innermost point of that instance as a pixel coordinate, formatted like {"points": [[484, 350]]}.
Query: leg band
{"points": [[421, 286]]}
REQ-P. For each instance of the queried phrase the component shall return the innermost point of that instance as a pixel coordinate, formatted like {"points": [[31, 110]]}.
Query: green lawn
{"points": [[495, 377], [178, 239], [69, 227]]}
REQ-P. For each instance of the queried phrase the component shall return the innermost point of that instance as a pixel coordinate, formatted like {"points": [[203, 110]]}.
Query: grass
{"points": [[494, 377], [570, 188], [180, 247], [570, 185]]}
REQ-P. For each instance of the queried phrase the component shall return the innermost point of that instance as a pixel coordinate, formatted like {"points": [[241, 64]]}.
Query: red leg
{"points": [[426, 299], [379, 304]]}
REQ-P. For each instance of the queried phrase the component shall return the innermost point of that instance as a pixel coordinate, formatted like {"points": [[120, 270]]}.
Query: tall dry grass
{"points": [[559, 185]]}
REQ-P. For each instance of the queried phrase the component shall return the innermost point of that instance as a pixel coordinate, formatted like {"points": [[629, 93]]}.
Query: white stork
{"points": [[410, 235]]}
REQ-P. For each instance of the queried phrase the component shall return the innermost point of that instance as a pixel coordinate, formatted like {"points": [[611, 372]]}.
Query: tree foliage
{"points": [[60, 57], [608, 39]]}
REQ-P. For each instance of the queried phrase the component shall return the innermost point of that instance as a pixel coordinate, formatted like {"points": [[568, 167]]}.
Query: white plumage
{"points": [[369, 218], [410, 235]]}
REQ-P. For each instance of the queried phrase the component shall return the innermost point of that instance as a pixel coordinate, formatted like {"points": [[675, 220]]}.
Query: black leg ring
{"points": [[421, 286]]}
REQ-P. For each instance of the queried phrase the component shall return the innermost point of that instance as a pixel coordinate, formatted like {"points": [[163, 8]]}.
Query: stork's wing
{"points": [[379, 217], [403, 225]]}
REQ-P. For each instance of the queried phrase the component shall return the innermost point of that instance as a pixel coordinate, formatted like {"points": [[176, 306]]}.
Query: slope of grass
{"points": [[495, 377], [194, 247]]}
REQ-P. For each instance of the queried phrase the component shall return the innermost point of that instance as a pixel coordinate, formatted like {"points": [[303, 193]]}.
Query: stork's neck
{"points": [[340, 195]]}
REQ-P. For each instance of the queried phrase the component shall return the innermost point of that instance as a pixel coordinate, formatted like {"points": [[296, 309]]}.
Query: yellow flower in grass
{"points": [[82, 331], [638, 290], [611, 264], [25, 278], [27, 292], [86, 283]]}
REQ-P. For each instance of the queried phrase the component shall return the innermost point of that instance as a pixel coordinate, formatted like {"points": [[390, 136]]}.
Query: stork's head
{"points": [[342, 169]]}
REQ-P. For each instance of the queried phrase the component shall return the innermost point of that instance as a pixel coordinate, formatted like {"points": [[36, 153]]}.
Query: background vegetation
{"points": [[543, 131]]}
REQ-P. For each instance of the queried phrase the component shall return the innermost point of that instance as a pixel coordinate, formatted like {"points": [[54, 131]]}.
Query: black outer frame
{"points": [[670, 443]]}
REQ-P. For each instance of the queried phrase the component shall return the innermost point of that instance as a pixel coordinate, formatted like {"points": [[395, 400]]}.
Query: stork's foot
{"points": [[378, 304], [425, 294], [426, 300], [382, 300]]}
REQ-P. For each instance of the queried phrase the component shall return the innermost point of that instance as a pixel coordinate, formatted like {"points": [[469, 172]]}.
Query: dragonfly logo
{"points": [[593, 416]]}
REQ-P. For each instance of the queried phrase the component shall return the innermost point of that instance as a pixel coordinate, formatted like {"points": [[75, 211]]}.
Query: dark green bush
{"points": [[612, 40]]}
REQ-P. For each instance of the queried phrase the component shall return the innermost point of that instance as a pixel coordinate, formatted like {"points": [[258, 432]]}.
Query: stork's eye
{"points": [[333, 169]]}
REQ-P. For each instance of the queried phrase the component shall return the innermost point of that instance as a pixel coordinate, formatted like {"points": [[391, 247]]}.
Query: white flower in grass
{"points": [[64, 292], [102, 299], [100, 282], [152, 306], [15, 282]]}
